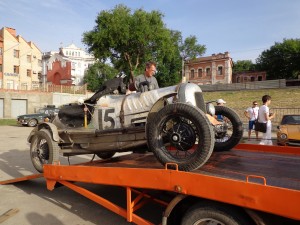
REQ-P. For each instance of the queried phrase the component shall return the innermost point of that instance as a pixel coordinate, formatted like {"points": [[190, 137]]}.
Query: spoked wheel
{"points": [[105, 155], [43, 150], [181, 134], [230, 132]]}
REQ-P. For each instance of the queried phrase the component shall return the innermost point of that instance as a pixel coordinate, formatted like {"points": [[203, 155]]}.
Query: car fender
{"points": [[45, 125]]}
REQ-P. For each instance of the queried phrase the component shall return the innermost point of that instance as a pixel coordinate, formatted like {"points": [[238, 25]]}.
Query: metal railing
{"points": [[51, 88], [279, 112], [282, 83]]}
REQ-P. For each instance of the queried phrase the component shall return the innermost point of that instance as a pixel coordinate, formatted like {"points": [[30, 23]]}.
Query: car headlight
{"points": [[210, 109], [283, 136]]}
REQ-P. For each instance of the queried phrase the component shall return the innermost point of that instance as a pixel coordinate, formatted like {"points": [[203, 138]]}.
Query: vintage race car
{"points": [[175, 123]]}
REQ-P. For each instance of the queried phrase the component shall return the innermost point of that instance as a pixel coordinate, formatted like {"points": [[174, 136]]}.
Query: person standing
{"points": [[264, 116], [251, 113], [146, 81], [220, 102]]}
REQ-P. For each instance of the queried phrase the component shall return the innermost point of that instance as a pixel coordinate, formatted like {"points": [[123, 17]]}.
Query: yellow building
{"points": [[20, 61]]}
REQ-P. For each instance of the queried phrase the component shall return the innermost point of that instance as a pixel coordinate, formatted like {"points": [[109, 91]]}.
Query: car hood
{"points": [[293, 131]]}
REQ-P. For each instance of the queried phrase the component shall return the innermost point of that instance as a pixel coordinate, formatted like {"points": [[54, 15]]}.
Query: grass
{"points": [[281, 98], [8, 122]]}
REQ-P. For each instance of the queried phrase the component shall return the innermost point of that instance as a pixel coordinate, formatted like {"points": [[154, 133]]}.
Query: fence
{"points": [[279, 112], [82, 90], [282, 83]]}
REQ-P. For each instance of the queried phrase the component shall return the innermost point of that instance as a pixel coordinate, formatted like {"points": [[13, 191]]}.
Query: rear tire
{"points": [[43, 150], [234, 135], [181, 134], [215, 214]]}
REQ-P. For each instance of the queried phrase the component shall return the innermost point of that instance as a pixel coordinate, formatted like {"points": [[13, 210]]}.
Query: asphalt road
{"points": [[30, 203]]}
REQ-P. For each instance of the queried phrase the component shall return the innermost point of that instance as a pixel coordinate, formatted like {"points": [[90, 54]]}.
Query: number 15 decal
{"points": [[107, 118]]}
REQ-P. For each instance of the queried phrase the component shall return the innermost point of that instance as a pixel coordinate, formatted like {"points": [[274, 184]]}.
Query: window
{"points": [[10, 84], [16, 69], [259, 78], [199, 72], [1, 51], [208, 72], [29, 58], [192, 74], [78, 53], [28, 73], [0, 68], [16, 53], [220, 70], [252, 79], [40, 62], [67, 53]]}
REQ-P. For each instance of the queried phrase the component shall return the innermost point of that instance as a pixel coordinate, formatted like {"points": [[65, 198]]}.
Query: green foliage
{"points": [[282, 60], [128, 40], [189, 49], [97, 74], [243, 65]]}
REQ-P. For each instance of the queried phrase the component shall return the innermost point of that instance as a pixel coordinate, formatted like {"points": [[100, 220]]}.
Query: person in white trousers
{"points": [[264, 116]]}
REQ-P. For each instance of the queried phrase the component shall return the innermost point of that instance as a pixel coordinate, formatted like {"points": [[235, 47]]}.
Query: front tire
{"points": [[181, 134], [227, 140], [32, 123], [43, 150]]}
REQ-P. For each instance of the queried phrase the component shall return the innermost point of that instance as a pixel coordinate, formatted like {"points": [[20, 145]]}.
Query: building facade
{"points": [[249, 76], [214, 69], [79, 62], [20, 61]]}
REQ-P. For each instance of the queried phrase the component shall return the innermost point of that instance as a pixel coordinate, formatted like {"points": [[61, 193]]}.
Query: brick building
{"points": [[76, 57], [20, 61], [59, 70], [213, 69], [249, 76]]}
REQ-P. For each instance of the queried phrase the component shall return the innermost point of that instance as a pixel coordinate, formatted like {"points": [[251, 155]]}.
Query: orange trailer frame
{"points": [[221, 179]]}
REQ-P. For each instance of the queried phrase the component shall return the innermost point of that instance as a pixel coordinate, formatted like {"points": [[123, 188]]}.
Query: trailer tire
{"points": [[213, 213], [236, 129], [43, 150], [181, 134], [105, 155]]}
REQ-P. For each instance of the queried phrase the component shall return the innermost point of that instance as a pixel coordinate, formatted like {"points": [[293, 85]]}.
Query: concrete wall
{"points": [[36, 100]]}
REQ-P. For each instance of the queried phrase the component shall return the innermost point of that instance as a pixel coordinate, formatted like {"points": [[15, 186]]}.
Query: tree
{"points": [[128, 40], [97, 74], [243, 65], [282, 60], [189, 49]]}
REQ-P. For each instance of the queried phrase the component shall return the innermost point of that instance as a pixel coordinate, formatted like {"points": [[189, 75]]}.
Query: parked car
{"points": [[175, 123], [289, 130], [42, 114]]}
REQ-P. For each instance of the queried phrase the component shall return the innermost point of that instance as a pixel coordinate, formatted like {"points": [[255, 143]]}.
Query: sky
{"points": [[244, 28]]}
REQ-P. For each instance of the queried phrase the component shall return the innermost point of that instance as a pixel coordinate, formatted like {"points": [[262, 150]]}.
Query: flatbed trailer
{"points": [[257, 184]]}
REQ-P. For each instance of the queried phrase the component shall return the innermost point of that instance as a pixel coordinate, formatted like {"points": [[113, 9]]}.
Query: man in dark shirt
{"points": [[146, 81]]}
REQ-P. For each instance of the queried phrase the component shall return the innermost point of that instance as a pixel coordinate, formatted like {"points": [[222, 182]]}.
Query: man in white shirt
{"points": [[251, 113]]}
